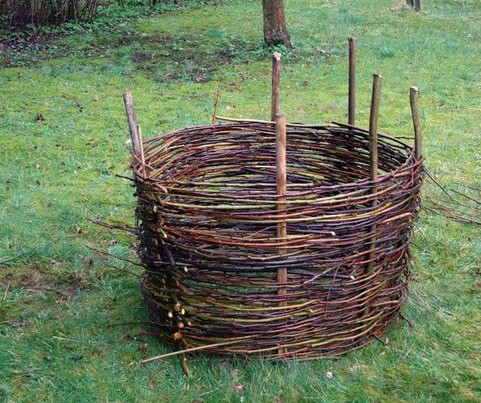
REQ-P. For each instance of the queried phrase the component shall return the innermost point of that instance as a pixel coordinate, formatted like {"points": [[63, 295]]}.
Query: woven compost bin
{"points": [[208, 215]]}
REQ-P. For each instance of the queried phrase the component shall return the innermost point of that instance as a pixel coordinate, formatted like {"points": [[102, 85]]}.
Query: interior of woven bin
{"points": [[208, 213], [234, 154]]}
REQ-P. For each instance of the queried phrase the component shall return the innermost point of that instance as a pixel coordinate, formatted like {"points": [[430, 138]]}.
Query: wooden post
{"points": [[352, 82], [418, 134], [373, 119], [141, 150], [276, 80], [417, 5], [281, 169], [373, 152], [216, 105], [134, 134]]}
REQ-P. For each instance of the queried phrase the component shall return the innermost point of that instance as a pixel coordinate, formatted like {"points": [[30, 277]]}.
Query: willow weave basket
{"points": [[207, 220]]}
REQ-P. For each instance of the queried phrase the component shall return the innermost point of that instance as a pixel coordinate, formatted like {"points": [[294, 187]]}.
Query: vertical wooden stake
{"points": [[417, 5], [141, 150], [281, 170], [373, 119], [418, 134], [351, 119], [373, 152], [129, 109], [276, 81], [216, 105]]}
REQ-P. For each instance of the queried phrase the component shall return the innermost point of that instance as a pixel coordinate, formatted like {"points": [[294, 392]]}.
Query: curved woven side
{"points": [[207, 213]]}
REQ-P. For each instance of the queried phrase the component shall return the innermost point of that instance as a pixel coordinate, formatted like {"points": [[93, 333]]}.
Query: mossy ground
{"points": [[65, 314]]}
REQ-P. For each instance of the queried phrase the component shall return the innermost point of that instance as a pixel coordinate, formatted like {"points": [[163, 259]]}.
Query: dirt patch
{"points": [[34, 280], [23, 40], [165, 57]]}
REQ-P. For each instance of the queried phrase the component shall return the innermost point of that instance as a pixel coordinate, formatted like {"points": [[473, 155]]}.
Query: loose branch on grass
{"points": [[472, 188], [438, 184], [450, 213], [139, 276], [467, 197], [380, 340], [466, 206], [125, 177], [115, 256], [188, 350], [121, 227], [403, 317]]}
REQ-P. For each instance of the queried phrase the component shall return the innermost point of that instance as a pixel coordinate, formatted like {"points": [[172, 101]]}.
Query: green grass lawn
{"points": [[67, 317]]}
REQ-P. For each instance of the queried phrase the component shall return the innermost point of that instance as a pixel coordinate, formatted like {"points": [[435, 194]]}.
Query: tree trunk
{"points": [[275, 28]]}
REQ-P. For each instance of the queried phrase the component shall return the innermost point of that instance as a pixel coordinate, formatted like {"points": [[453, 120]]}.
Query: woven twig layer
{"points": [[207, 219]]}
